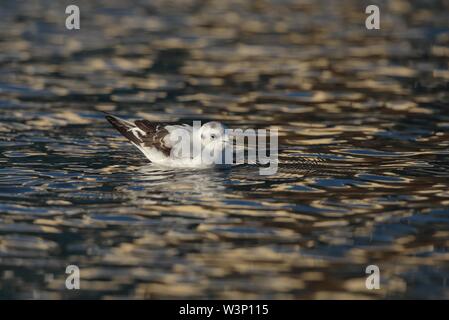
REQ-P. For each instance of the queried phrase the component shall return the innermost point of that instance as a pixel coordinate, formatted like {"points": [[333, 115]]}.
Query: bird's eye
{"points": [[212, 136]]}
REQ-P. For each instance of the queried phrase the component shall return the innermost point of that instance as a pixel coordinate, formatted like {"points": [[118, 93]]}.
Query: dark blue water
{"points": [[363, 118]]}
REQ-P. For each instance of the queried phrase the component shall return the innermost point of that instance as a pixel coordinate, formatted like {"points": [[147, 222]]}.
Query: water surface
{"points": [[364, 134]]}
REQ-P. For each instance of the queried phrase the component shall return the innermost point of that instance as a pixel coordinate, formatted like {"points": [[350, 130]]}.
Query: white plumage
{"points": [[175, 145]]}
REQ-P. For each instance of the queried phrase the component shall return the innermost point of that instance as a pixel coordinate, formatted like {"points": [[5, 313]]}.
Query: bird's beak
{"points": [[226, 139]]}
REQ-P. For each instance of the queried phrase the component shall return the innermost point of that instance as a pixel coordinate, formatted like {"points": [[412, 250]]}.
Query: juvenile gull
{"points": [[175, 145]]}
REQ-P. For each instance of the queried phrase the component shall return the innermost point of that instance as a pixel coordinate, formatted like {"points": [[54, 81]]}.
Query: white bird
{"points": [[175, 145]]}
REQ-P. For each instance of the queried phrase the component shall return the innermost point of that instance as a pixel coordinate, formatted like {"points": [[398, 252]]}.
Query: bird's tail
{"points": [[124, 127]]}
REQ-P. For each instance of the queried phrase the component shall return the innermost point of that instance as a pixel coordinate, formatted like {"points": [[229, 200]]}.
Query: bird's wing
{"points": [[154, 136], [143, 133]]}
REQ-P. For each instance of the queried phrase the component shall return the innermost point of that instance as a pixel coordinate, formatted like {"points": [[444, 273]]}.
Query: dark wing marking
{"points": [[153, 137], [155, 134], [124, 128]]}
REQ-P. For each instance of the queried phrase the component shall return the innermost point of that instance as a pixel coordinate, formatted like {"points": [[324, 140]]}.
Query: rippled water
{"points": [[364, 135]]}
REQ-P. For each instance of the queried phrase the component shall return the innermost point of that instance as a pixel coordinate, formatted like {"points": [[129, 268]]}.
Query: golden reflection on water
{"points": [[363, 129]]}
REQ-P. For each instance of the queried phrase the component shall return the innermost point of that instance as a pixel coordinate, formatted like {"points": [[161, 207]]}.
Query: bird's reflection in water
{"points": [[151, 182]]}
